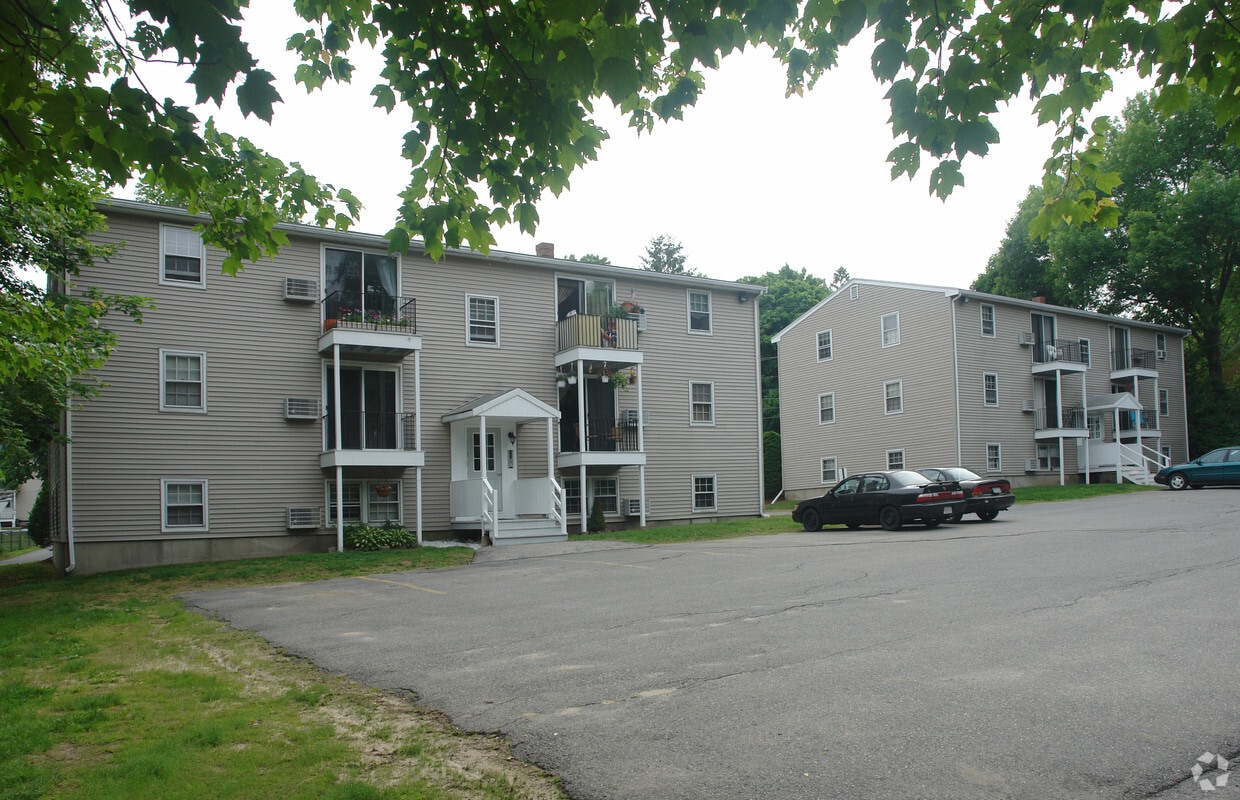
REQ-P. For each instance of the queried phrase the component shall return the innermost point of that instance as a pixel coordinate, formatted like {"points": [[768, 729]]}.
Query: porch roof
{"points": [[1107, 402], [515, 404]]}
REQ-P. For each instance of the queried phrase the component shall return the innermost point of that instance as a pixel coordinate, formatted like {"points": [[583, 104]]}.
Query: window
{"points": [[1164, 403], [891, 329], [826, 408], [1084, 343], [988, 319], [182, 376], [183, 256], [1160, 345], [895, 459], [572, 495], [703, 492], [1165, 450], [830, 472], [365, 501], [701, 403], [370, 415], [893, 392], [185, 505], [824, 345], [361, 287], [482, 320], [699, 312], [990, 388], [606, 492], [1048, 456], [994, 458], [475, 450], [1095, 427]]}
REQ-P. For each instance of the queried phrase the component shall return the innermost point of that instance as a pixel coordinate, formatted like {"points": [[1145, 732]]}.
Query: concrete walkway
{"points": [[42, 554]]}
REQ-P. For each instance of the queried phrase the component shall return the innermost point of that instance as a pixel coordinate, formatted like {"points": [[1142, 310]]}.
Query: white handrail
{"points": [[489, 511], [558, 513]]}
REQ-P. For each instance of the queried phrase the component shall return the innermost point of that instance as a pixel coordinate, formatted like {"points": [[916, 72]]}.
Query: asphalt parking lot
{"points": [[1069, 650]]}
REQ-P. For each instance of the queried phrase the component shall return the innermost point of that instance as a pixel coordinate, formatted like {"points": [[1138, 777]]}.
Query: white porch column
{"points": [[583, 428], [482, 451], [339, 446], [1059, 409], [641, 448], [1085, 407], [1119, 449], [585, 511], [417, 432]]}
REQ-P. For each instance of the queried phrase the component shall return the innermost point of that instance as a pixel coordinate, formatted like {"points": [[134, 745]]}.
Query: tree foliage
{"points": [[590, 258], [665, 254]]}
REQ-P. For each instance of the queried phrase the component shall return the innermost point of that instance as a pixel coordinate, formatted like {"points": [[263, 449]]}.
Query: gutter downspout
{"points": [[417, 431], [757, 344], [339, 448], [956, 379], [69, 488], [1085, 404]]}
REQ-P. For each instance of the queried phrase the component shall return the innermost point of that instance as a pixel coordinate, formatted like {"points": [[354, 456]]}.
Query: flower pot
{"points": [[329, 323], [383, 490]]}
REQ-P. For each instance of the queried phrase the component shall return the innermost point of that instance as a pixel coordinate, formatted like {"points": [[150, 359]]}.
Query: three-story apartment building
{"points": [[500, 395], [886, 375]]}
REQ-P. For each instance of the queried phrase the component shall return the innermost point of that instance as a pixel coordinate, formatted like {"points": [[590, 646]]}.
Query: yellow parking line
{"points": [[610, 564], [398, 583]]}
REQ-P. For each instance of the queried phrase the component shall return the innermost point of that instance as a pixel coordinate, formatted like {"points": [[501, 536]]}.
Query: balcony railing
{"points": [[1046, 419], [360, 430], [1133, 358], [603, 435], [1055, 350], [1131, 420], [370, 311], [592, 330]]}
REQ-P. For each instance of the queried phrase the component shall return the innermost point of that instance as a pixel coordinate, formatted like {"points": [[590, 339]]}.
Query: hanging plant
{"points": [[383, 489]]}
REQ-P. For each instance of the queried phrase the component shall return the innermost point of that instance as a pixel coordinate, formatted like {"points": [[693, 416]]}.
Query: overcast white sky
{"points": [[748, 182]]}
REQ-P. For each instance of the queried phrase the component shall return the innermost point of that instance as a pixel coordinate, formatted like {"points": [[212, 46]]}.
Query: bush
{"points": [[595, 523], [39, 526], [373, 537]]}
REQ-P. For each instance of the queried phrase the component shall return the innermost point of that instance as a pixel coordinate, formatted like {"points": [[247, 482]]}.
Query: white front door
{"points": [[493, 468]]}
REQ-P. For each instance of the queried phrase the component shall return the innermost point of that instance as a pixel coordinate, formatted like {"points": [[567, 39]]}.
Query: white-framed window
{"points": [[699, 312], [1084, 345], [830, 471], [994, 458], [988, 319], [475, 453], [826, 408], [605, 492], [1164, 403], [572, 495], [183, 381], [1160, 345], [184, 505], [891, 329], [1048, 456], [182, 257], [854, 292], [895, 459], [481, 320], [373, 501], [1094, 423], [990, 388], [1166, 453], [701, 403], [824, 345], [893, 397], [704, 493]]}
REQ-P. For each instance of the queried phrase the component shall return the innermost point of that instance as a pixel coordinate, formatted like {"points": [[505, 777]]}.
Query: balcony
{"points": [[591, 337], [1059, 356], [1130, 422], [1134, 362], [1047, 424], [375, 439], [373, 325], [608, 443]]}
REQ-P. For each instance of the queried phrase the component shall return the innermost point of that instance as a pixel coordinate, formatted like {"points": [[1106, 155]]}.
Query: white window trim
{"points": [[593, 495], [692, 421], [903, 459], [710, 312], [982, 320], [1160, 352], [998, 457], [832, 396], [202, 371], [469, 342], [714, 483], [854, 292], [1089, 350], [201, 283], [1164, 402], [830, 345], [364, 487], [986, 402], [822, 467], [882, 330], [163, 507], [900, 383]]}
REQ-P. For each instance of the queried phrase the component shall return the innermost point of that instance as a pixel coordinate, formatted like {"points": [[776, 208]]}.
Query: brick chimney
{"points": [[1039, 299], [544, 250]]}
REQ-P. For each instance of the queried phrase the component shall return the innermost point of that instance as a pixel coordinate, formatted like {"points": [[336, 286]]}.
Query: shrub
{"points": [[39, 525], [595, 523], [373, 537]]}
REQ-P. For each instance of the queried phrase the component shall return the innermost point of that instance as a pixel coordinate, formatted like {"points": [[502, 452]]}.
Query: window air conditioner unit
{"points": [[1026, 338], [301, 408], [629, 417], [641, 321], [1161, 354], [301, 290], [305, 518], [1031, 465], [633, 507], [1026, 405]]}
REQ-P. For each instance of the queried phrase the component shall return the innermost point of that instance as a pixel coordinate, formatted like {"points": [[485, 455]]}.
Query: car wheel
{"points": [[988, 515], [811, 521], [955, 518], [889, 518], [852, 526], [1177, 481], [932, 523]]}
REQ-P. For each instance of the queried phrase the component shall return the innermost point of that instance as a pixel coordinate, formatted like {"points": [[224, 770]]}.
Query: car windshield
{"points": [[906, 477]]}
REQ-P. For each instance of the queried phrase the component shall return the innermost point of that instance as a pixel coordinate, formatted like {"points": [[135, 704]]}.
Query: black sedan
{"points": [[1219, 467], [985, 497], [889, 499]]}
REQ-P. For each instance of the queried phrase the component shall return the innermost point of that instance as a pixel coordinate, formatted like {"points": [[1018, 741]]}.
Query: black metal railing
{"points": [[1055, 350], [360, 430], [603, 435], [1133, 358], [1046, 419], [370, 311]]}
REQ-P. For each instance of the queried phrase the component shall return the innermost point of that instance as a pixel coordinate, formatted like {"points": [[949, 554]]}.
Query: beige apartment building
{"points": [[497, 397], [886, 375]]}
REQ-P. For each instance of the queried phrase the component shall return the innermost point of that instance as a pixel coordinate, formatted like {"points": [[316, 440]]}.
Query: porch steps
{"points": [[1137, 474], [526, 530]]}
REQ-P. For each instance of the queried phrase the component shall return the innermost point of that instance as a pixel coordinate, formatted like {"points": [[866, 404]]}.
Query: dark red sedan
{"points": [[985, 497]]}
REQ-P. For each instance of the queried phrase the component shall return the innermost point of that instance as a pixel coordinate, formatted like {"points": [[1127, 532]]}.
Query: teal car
{"points": [[1219, 467]]}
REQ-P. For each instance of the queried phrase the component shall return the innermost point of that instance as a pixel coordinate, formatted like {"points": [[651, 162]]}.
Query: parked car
{"points": [[985, 497], [889, 499], [1216, 468]]}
